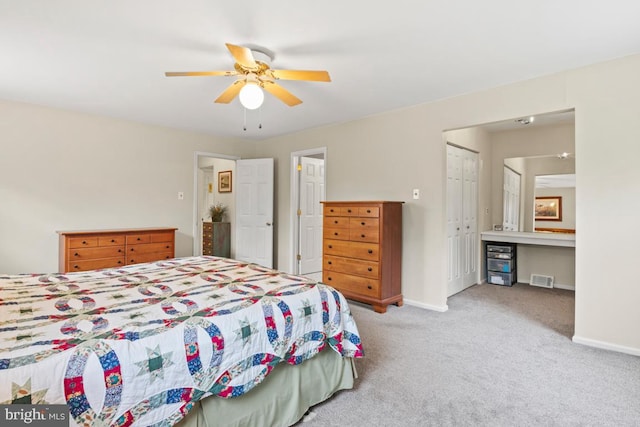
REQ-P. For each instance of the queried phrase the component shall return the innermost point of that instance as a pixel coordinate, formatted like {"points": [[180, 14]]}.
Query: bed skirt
{"points": [[282, 398]]}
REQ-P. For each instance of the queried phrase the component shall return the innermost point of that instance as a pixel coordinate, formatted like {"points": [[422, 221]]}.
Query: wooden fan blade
{"points": [[282, 94], [314, 76], [200, 73], [231, 92], [243, 56]]}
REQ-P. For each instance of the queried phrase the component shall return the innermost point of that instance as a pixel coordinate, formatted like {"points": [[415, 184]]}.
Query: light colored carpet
{"points": [[499, 356]]}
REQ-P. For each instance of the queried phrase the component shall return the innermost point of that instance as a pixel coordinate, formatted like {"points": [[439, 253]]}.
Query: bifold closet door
{"points": [[462, 220]]}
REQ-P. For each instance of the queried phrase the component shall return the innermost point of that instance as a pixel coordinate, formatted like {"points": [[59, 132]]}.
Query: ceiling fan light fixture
{"points": [[251, 96]]}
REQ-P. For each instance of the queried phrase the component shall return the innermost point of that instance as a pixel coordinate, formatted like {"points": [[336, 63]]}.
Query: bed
{"points": [[183, 341]]}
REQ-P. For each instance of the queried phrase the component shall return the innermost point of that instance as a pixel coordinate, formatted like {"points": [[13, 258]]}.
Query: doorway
{"points": [[206, 167], [308, 184]]}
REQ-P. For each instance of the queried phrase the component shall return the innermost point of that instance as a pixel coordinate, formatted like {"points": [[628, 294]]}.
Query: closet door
{"points": [[454, 220], [470, 244], [462, 219]]}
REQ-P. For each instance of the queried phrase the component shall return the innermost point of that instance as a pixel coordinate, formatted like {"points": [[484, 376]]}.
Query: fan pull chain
{"points": [[244, 126]]}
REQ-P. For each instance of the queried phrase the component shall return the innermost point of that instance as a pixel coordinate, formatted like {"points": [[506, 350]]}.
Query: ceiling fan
{"points": [[253, 75]]}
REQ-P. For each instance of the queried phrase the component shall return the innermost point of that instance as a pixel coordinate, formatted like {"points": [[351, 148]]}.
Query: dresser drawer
{"points": [[332, 211], [111, 240], [336, 222], [82, 242], [95, 253], [353, 266], [137, 258], [150, 248], [369, 211], [161, 237], [135, 239], [95, 264], [366, 251], [364, 229], [352, 284], [335, 233]]}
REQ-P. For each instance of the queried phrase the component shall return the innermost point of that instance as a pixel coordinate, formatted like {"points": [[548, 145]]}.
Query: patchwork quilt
{"points": [[141, 344]]}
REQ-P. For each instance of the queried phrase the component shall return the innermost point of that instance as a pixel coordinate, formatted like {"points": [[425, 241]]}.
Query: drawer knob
{"points": [[84, 242], [76, 267], [119, 262], [76, 254], [138, 239], [131, 249], [349, 210], [133, 260], [330, 210], [362, 223], [168, 246], [370, 269], [329, 278], [329, 262], [362, 235], [119, 250], [335, 233], [330, 246], [370, 251], [113, 241], [335, 222], [369, 287], [368, 210]]}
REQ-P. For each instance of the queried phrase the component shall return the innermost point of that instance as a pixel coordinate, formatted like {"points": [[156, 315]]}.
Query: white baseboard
{"points": [[557, 286], [606, 345], [440, 308], [566, 287]]}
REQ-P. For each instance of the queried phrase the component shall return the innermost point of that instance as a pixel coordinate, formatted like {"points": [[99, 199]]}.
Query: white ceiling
{"points": [[109, 57]]}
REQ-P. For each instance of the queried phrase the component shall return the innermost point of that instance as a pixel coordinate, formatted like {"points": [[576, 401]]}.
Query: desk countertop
{"points": [[528, 238]]}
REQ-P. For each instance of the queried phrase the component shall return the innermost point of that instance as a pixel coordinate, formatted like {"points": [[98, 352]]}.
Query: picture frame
{"points": [[548, 208], [224, 182]]}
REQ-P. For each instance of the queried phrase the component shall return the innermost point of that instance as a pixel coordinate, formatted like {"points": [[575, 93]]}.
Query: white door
{"points": [[462, 219], [254, 211], [310, 214], [470, 244], [511, 200]]}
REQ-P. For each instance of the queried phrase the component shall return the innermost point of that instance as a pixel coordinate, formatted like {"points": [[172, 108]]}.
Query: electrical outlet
{"points": [[180, 195], [416, 193]]}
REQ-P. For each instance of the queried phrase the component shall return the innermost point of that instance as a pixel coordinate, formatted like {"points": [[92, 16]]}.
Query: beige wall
{"points": [[68, 171], [385, 156]]}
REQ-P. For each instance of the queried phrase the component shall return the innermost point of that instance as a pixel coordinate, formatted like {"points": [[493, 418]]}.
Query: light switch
{"points": [[416, 193]]}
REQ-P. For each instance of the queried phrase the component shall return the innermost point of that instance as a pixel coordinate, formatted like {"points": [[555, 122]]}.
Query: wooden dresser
{"points": [[362, 251], [94, 249], [216, 239]]}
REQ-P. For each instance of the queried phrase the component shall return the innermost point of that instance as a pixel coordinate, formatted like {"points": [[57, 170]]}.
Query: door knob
{"points": [[268, 224]]}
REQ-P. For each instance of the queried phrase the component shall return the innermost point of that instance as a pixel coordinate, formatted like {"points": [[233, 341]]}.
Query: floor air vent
{"points": [[541, 280]]}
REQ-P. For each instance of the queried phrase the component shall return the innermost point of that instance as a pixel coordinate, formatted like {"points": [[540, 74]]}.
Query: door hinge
{"points": [[299, 212], [299, 257]]}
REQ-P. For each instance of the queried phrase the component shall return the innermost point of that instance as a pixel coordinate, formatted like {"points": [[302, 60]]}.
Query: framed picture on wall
{"points": [[548, 208], [224, 182]]}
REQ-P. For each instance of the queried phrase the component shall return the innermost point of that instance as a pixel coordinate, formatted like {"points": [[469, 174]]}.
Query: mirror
{"points": [[539, 193]]}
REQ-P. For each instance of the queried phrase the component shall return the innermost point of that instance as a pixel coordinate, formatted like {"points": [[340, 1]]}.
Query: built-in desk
{"points": [[551, 254], [528, 238]]}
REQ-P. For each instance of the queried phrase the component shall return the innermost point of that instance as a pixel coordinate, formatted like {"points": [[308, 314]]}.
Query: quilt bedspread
{"points": [[141, 344]]}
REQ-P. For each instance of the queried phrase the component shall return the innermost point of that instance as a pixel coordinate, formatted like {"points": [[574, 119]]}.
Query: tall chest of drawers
{"points": [[216, 239], [362, 251], [94, 249]]}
